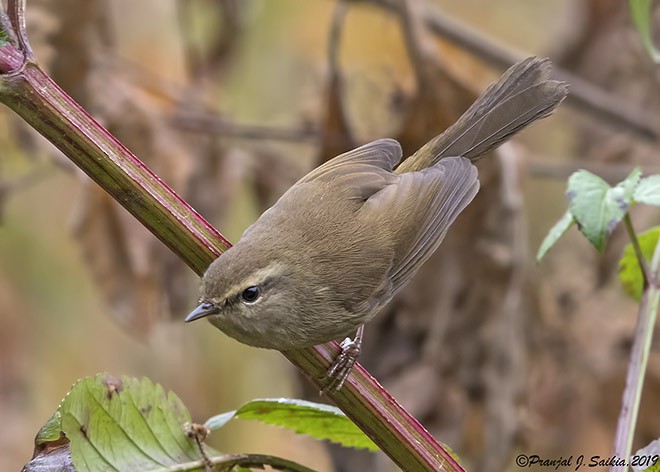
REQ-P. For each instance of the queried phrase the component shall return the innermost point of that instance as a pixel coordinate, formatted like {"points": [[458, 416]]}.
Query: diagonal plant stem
{"points": [[648, 310], [228, 462], [17, 17], [28, 91], [641, 260]]}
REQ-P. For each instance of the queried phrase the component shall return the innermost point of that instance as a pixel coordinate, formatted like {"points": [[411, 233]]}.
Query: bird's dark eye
{"points": [[251, 294]]}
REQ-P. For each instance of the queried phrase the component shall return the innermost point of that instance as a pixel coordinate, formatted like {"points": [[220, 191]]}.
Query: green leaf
{"points": [[4, 38], [51, 430], [312, 419], [130, 424], [648, 191], [653, 468], [596, 206], [640, 11], [630, 274], [556, 232], [127, 424]]}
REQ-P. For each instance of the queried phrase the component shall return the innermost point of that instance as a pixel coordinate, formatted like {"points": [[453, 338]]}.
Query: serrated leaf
{"points": [[640, 11], [312, 419], [597, 206], [556, 232], [648, 191], [127, 424], [50, 431], [630, 274], [648, 458], [130, 424]]}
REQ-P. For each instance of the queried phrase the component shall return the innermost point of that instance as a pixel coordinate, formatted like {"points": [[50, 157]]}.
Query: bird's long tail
{"points": [[523, 95]]}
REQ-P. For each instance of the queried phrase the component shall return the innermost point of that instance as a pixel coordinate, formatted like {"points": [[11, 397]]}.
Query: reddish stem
{"points": [[11, 59]]}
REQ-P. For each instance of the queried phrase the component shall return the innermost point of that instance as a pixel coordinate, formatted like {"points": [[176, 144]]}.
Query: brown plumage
{"points": [[340, 243]]}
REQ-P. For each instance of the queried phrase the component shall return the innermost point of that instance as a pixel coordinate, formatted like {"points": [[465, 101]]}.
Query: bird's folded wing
{"points": [[419, 208], [381, 154]]}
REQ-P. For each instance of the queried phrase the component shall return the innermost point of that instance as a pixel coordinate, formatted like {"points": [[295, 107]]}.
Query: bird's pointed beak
{"points": [[202, 310]]}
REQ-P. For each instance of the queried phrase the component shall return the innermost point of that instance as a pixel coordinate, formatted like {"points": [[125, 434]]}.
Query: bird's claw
{"points": [[343, 363]]}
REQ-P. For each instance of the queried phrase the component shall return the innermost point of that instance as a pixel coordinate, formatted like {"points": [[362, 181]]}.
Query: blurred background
{"points": [[230, 102]]}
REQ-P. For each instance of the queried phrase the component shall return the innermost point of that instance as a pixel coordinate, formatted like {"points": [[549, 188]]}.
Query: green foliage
{"points": [[640, 11], [133, 424], [598, 207], [127, 424], [556, 232], [312, 419], [648, 191], [630, 273], [51, 430]]}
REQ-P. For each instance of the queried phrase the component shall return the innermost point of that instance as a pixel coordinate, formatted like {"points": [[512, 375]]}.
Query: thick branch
{"points": [[54, 114]]}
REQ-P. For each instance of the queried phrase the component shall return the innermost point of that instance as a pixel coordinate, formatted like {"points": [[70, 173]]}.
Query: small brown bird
{"points": [[343, 240]]}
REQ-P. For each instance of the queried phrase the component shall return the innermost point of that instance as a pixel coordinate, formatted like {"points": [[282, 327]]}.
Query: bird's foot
{"points": [[344, 362]]}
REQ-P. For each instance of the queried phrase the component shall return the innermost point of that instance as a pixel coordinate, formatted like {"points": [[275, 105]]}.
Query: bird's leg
{"points": [[343, 364]]}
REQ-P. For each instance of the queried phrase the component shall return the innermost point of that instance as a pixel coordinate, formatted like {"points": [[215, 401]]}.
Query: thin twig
{"points": [[215, 124], [646, 273], [539, 165], [334, 36], [16, 10], [648, 310], [334, 120], [199, 432], [228, 462], [6, 27], [415, 45], [12, 58]]}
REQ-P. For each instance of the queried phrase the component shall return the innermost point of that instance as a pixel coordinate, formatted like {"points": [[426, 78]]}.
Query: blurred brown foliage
{"points": [[229, 102]]}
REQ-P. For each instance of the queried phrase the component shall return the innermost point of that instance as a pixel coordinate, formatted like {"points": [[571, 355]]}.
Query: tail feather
{"points": [[523, 95]]}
